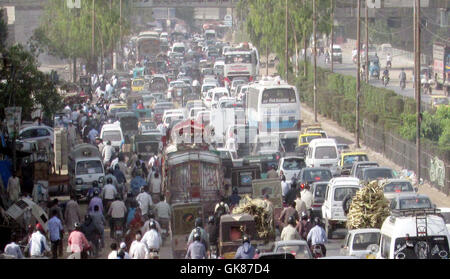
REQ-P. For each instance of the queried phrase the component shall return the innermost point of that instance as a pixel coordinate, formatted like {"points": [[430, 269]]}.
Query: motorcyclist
{"points": [[196, 249], [354, 55], [289, 232], [212, 230], [91, 232], [317, 236], [152, 238], [246, 250], [203, 234], [386, 75]]}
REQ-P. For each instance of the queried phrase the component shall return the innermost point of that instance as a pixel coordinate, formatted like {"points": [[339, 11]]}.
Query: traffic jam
{"points": [[190, 153]]}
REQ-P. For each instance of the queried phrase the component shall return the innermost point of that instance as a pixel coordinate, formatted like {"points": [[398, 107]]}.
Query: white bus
{"points": [[273, 106], [241, 62]]}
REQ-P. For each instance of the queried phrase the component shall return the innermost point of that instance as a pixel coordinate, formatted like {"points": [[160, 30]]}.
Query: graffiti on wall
{"points": [[437, 171]]}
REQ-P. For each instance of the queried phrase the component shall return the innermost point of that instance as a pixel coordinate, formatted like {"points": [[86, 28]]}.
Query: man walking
{"points": [[38, 243], [72, 213], [56, 232]]}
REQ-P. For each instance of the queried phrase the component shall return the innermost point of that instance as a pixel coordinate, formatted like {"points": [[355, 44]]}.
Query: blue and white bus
{"points": [[273, 106]]}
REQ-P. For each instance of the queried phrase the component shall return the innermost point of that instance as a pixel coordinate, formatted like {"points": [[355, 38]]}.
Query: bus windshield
{"points": [[278, 96], [238, 58]]}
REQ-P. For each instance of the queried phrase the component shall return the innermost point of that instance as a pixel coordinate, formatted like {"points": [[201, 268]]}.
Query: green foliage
{"points": [[29, 86]]}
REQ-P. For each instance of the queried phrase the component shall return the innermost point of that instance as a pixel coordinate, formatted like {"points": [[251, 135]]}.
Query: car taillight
{"points": [[250, 78], [315, 205], [317, 178]]}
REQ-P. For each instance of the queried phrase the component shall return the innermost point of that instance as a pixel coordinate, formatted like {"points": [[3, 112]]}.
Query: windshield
{"points": [[429, 247], [89, 167], [397, 187], [289, 144], [238, 82], [317, 175], [326, 152], [111, 136], [293, 164], [138, 82], [299, 251], [341, 192], [374, 174], [178, 49], [208, 87], [278, 96], [238, 58], [308, 139], [415, 202], [350, 159], [319, 191], [219, 95], [362, 240]]}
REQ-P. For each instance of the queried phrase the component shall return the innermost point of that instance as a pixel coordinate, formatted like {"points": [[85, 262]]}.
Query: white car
{"points": [[36, 133], [173, 84], [218, 93], [291, 166], [361, 243], [235, 83], [206, 87]]}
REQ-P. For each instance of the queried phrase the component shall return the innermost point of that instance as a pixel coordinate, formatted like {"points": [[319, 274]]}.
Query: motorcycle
{"points": [[385, 80], [317, 251]]}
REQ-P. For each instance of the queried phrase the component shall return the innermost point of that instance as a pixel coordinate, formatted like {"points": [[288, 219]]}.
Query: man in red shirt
{"points": [[78, 243]]}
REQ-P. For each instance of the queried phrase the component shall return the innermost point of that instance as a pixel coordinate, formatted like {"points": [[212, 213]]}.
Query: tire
{"points": [[328, 229]]}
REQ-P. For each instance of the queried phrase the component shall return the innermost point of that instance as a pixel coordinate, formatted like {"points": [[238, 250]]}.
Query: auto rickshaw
{"points": [[232, 228]]}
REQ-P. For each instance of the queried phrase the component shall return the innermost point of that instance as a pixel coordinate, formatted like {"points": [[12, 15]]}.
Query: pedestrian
{"points": [[289, 232], [71, 135], [284, 187], [121, 179], [272, 173], [100, 144], [138, 249], [300, 205], [93, 134], [13, 188], [307, 196], [131, 212], [291, 194], [145, 201], [113, 254], [110, 174], [107, 153], [287, 212], [122, 252], [56, 232], [38, 243], [246, 250], [72, 213], [212, 229], [317, 236], [117, 211], [78, 243], [13, 249], [136, 184], [196, 249]]}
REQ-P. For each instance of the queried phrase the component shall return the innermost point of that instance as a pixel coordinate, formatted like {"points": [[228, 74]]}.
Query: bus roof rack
{"points": [[415, 212]]}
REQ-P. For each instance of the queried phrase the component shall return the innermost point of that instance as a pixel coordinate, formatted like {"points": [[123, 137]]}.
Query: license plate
{"points": [[326, 166]]}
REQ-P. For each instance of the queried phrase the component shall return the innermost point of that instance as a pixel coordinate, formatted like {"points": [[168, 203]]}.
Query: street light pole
{"points": [[358, 75], [120, 24], [332, 38], [93, 31], [417, 85], [315, 60], [367, 41], [286, 42]]}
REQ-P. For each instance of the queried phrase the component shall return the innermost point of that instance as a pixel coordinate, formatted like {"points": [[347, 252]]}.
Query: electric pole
{"points": [[93, 30], [286, 41], [332, 43], [367, 42], [358, 75], [315, 60], [120, 24], [417, 85]]}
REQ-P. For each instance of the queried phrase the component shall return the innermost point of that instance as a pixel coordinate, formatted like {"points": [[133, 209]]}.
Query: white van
{"points": [[113, 133], [332, 209], [179, 48], [85, 165], [322, 153], [399, 235]]}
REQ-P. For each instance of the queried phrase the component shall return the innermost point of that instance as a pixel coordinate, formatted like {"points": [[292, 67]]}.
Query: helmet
{"points": [[152, 225], [198, 222], [211, 220], [291, 220], [246, 238], [77, 226], [109, 180], [196, 237], [304, 216], [317, 221], [95, 183]]}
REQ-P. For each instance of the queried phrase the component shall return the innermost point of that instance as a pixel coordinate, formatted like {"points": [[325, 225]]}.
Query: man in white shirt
{"points": [[145, 201], [163, 212], [155, 184], [38, 242], [284, 186], [300, 205], [113, 254], [152, 238], [107, 152], [307, 196], [138, 249]]}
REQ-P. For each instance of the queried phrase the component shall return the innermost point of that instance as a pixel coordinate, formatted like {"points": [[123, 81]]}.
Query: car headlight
{"points": [[79, 181]]}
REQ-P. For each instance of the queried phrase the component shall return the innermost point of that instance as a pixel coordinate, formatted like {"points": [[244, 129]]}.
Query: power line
{"points": [[429, 20], [426, 29]]}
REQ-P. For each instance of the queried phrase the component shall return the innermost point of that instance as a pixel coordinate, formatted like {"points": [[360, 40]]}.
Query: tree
{"points": [[25, 85]]}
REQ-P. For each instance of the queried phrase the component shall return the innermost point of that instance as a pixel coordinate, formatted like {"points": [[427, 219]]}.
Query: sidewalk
{"points": [[333, 129]]}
